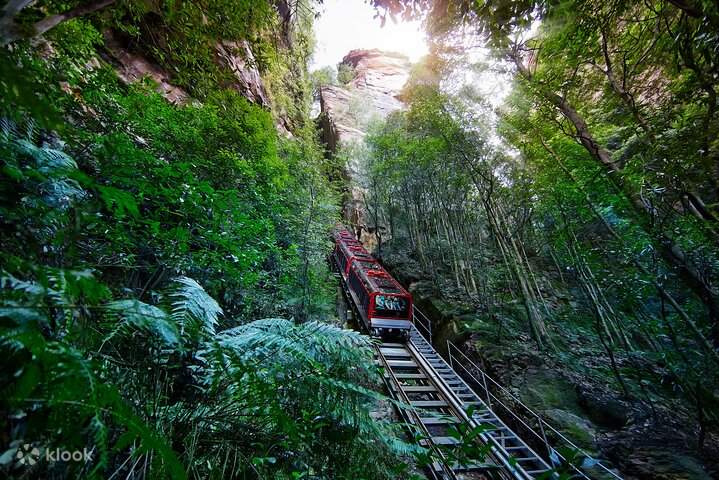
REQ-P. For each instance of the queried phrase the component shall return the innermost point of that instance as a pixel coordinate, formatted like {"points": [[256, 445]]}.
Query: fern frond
{"points": [[48, 161], [194, 309], [135, 315], [62, 193], [8, 129], [31, 289]]}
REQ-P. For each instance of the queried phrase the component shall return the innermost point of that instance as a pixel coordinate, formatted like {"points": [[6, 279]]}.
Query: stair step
{"points": [[502, 439], [527, 459]]}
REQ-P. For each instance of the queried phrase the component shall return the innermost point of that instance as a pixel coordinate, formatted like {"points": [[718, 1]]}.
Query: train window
{"points": [[389, 305]]}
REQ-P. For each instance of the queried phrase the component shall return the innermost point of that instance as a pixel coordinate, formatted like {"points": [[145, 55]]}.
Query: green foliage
{"points": [[324, 76], [611, 192], [194, 310], [345, 73], [142, 238], [183, 36], [137, 316], [291, 388]]}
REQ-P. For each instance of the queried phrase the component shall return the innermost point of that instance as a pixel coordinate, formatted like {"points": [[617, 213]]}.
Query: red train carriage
{"points": [[346, 252], [384, 306]]}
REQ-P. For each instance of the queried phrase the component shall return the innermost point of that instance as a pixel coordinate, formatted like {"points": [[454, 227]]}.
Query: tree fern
{"points": [[55, 382], [133, 315], [195, 312]]}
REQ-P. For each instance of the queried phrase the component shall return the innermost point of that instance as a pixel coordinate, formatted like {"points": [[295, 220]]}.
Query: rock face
{"points": [[238, 58], [132, 67], [380, 76], [346, 111]]}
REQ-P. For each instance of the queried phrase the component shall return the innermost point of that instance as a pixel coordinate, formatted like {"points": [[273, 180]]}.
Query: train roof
{"points": [[342, 234], [354, 249], [377, 278], [370, 270]]}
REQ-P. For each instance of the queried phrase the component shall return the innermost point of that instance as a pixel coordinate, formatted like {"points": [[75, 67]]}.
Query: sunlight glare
{"points": [[346, 25]]}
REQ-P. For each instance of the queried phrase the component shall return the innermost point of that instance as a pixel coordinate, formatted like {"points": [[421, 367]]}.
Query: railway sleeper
{"points": [[439, 420], [440, 441], [408, 376], [419, 388], [401, 364], [429, 403], [394, 352], [474, 466]]}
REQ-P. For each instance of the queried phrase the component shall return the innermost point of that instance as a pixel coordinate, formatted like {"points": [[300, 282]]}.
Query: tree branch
{"points": [[12, 34]]}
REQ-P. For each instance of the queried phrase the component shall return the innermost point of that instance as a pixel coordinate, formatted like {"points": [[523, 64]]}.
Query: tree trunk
{"points": [[664, 294]]}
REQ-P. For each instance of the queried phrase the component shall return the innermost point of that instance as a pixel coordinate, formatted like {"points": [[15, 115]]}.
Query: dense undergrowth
{"points": [[142, 241]]}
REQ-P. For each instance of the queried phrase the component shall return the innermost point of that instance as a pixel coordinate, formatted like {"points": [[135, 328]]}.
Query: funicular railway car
{"points": [[346, 252], [384, 307]]}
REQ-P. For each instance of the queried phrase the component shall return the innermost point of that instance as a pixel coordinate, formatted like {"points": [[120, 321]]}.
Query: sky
{"points": [[348, 24]]}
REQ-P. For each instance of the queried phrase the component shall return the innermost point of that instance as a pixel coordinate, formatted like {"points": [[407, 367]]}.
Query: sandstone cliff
{"points": [[346, 112], [133, 65]]}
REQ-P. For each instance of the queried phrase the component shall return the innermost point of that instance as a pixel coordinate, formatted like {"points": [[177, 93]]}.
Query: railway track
{"points": [[445, 414], [440, 405]]}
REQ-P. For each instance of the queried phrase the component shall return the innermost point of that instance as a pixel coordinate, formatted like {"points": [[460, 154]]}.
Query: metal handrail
{"points": [[421, 320], [541, 422]]}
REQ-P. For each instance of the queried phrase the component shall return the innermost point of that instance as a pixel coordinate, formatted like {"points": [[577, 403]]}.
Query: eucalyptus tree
{"points": [[457, 208]]}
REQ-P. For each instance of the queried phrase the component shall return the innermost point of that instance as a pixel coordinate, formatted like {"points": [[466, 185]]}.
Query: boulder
{"points": [[604, 408]]}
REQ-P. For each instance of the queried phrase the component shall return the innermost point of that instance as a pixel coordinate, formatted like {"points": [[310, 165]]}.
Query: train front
{"points": [[390, 312], [391, 316]]}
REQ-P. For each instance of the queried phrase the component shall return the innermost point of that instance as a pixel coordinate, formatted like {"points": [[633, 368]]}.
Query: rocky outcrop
{"points": [[374, 92], [132, 67], [380, 76], [237, 57]]}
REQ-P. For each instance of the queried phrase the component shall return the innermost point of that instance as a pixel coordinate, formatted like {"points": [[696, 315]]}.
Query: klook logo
{"points": [[27, 454], [67, 456]]}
